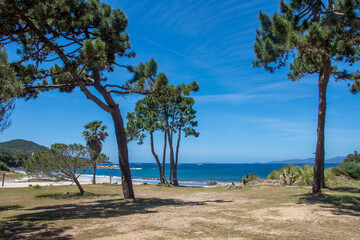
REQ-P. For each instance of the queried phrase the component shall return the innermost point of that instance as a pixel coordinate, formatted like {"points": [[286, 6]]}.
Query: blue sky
{"points": [[244, 114]]}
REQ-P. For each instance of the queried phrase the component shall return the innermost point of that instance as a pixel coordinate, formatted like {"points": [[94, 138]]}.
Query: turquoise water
{"points": [[194, 174]]}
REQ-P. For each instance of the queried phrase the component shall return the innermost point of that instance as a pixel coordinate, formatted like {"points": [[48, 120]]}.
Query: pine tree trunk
{"points": [[177, 156], [123, 154], [156, 156], [172, 161], [164, 158], [318, 181], [76, 181]]}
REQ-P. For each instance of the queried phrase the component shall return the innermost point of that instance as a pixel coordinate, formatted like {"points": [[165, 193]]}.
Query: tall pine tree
{"points": [[316, 37], [80, 41]]}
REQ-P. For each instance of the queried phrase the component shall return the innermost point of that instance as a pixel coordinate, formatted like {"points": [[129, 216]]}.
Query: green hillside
{"points": [[23, 145]]}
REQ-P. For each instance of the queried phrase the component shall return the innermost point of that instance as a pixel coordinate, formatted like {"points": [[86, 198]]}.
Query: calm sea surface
{"points": [[194, 174]]}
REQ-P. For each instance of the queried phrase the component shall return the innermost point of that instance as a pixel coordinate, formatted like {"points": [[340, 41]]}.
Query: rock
{"points": [[288, 179], [282, 180], [211, 183], [66, 193], [343, 177]]}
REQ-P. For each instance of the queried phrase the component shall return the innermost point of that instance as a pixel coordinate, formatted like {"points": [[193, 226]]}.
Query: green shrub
{"points": [[353, 157], [300, 175], [249, 178], [4, 167], [351, 168], [37, 186], [337, 171]]}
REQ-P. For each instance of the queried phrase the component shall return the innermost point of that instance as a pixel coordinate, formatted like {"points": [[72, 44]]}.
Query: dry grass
{"points": [[265, 212]]}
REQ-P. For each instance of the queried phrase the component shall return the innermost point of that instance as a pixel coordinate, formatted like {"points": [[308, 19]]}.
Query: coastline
{"points": [[86, 179]]}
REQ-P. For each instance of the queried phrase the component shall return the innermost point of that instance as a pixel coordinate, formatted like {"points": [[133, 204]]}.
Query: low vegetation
{"points": [[61, 162], [304, 175], [160, 212], [351, 165], [249, 178]]}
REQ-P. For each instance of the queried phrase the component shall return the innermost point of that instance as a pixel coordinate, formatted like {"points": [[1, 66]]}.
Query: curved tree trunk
{"points": [[318, 181], [156, 156], [76, 181], [123, 154]]}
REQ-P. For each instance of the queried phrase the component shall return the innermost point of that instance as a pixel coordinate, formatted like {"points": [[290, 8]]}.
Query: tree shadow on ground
{"points": [[68, 195], [337, 204], [9, 207], [103, 209], [345, 189], [21, 231]]}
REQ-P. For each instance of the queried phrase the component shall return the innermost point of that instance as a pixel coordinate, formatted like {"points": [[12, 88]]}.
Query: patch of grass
{"points": [[160, 212]]}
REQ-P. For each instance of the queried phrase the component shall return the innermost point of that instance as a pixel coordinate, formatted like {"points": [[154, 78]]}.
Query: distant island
{"points": [[309, 160]]}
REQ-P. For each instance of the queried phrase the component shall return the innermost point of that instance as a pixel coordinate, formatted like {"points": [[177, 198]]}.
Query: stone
{"points": [[282, 180], [211, 183], [288, 179]]}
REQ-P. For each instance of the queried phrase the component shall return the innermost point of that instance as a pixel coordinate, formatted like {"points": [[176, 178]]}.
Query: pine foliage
{"points": [[306, 31]]}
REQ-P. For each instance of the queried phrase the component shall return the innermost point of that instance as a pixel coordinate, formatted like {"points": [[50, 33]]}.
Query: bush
{"points": [[337, 171], [300, 175], [4, 167], [249, 178], [353, 157], [351, 168]]}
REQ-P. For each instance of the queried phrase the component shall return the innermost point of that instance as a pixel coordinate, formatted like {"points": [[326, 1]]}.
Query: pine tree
{"points": [[170, 111], [81, 41], [316, 37], [94, 135]]}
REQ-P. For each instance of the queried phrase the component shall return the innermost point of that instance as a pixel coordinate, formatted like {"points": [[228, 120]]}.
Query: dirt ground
{"points": [[160, 212]]}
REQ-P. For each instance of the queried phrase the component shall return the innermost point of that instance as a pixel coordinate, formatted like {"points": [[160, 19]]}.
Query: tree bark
{"points": [[318, 181], [76, 181], [172, 160], [171, 156], [156, 156], [94, 172], [123, 154], [177, 156], [164, 157]]}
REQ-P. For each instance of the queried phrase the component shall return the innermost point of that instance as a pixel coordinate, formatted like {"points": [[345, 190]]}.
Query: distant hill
{"points": [[310, 160], [23, 145]]}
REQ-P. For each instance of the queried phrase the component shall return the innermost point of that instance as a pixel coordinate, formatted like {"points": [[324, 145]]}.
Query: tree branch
{"points": [[63, 57]]}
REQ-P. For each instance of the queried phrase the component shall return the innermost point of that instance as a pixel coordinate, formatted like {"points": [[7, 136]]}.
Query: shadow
{"points": [[338, 204], [345, 189], [22, 231], [9, 207], [103, 209], [68, 195]]}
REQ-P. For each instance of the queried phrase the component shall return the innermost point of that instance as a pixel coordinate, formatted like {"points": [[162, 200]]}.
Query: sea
{"points": [[192, 174]]}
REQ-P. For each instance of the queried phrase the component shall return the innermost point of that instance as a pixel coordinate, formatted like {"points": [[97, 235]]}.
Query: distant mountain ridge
{"points": [[310, 160], [21, 144]]}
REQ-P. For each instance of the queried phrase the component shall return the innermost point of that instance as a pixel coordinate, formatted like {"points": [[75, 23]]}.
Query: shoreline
{"points": [[86, 179]]}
